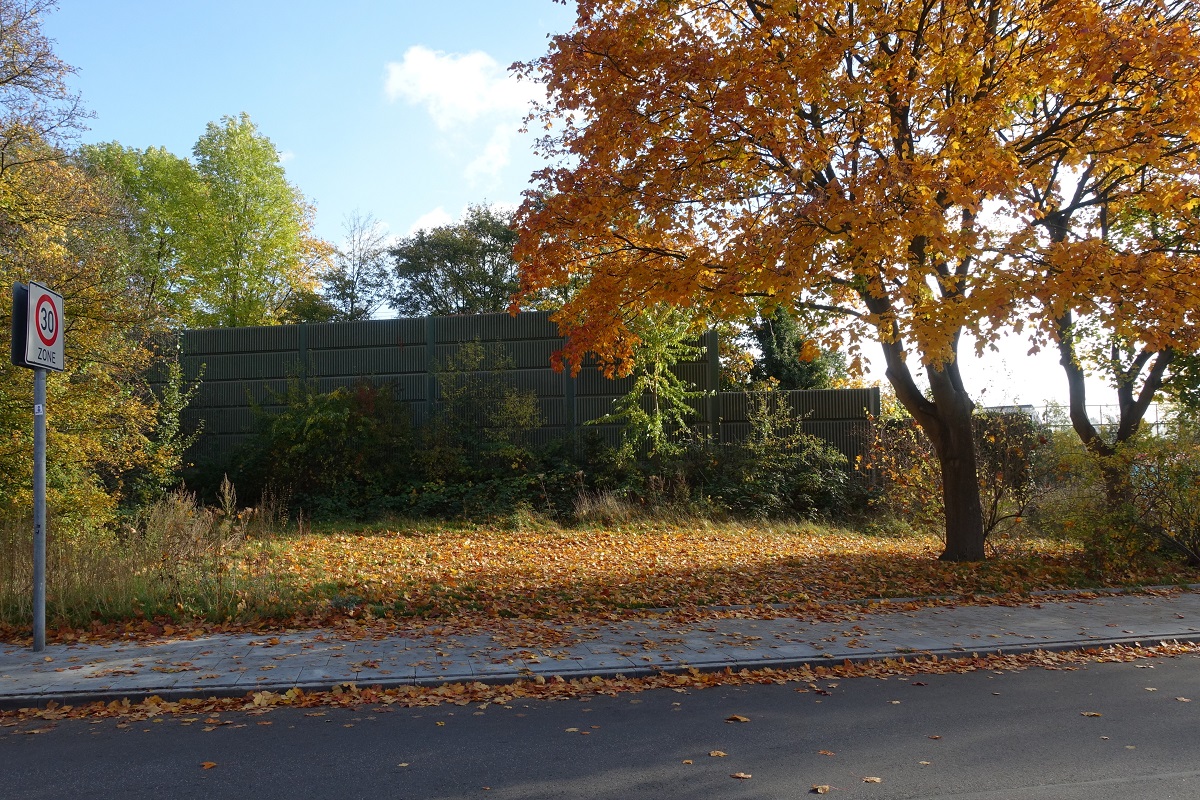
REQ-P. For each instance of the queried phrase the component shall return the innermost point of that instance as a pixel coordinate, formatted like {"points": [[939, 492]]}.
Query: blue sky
{"points": [[401, 109]]}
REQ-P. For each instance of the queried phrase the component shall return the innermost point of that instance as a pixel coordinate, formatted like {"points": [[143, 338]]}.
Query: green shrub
{"points": [[1164, 480], [777, 470], [1158, 513], [482, 426], [334, 453]]}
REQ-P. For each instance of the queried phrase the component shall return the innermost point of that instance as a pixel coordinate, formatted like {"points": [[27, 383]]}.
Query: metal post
{"points": [[39, 510]]}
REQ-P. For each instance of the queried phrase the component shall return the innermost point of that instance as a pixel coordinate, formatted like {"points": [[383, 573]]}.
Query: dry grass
{"points": [[204, 568]]}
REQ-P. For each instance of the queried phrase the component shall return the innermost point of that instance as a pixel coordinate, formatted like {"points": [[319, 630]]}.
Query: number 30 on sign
{"points": [[37, 327]]}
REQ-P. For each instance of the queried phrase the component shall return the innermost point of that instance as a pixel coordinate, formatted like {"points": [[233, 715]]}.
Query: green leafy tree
{"points": [[657, 405], [790, 357], [162, 205], [223, 241], [257, 247], [464, 268]]}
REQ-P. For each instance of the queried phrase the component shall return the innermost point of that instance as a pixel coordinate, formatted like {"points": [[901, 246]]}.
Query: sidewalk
{"points": [[232, 665]]}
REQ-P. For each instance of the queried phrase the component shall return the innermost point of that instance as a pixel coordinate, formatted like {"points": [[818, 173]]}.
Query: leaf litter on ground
{"points": [[487, 578]]}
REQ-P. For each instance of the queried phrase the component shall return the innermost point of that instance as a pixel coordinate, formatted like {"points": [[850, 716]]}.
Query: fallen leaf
{"points": [[572, 730], [402, 764], [872, 780], [440, 724], [825, 752], [718, 754], [1183, 699], [742, 776], [687, 761], [208, 764], [1151, 689], [924, 763], [737, 718], [822, 788], [934, 736], [1091, 713]]}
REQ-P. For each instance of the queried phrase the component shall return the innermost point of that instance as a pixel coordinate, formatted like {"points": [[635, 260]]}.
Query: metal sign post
{"points": [[39, 510], [37, 342]]}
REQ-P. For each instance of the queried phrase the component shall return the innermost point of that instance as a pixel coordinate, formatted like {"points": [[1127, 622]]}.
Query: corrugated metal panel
{"points": [[590, 408], [532, 354], [228, 420], [494, 327], [259, 366], [811, 404], [591, 382], [254, 365], [366, 361], [237, 392], [240, 340], [368, 333], [553, 412]]}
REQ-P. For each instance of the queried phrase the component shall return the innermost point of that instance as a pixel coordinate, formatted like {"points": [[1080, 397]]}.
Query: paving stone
{"points": [[317, 659]]}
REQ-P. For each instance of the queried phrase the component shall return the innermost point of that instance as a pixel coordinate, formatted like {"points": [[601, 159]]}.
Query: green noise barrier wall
{"points": [[244, 368]]}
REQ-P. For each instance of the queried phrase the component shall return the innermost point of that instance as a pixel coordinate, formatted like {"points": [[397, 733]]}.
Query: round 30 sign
{"points": [[44, 339]]}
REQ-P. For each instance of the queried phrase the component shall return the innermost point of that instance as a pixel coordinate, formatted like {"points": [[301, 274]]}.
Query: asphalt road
{"points": [[983, 736]]}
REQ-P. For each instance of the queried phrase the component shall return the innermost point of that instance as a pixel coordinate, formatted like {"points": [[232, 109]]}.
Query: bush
{"points": [[777, 470], [1158, 512], [908, 481], [334, 453], [1164, 479]]}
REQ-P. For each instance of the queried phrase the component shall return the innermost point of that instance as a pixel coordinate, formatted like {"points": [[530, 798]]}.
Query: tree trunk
{"points": [[948, 424], [953, 438], [1132, 405]]}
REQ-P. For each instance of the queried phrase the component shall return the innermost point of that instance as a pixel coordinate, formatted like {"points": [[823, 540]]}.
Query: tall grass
{"points": [[175, 559]]}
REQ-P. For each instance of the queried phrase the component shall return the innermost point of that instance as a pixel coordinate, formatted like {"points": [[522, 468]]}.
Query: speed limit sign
{"points": [[44, 328]]}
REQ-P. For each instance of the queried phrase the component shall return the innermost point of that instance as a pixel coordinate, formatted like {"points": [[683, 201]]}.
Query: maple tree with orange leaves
{"points": [[906, 165]]}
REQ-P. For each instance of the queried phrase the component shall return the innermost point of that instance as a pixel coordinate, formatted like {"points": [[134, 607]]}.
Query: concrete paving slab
{"points": [[316, 659]]}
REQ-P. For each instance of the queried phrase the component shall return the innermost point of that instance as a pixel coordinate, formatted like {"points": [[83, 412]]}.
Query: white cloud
{"points": [[494, 158], [286, 156], [470, 97], [431, 219], [458, 89]]}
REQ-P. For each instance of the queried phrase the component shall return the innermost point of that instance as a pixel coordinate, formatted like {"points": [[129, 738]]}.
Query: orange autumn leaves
{"points": [[886, 161], [570, 574]]}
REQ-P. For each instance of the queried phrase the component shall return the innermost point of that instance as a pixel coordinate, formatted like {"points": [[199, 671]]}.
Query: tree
{"points": [[163, 205], [57, 226], [838, 157], [256, 246], [790, 356], [36, 105], [465, 268], [657, 404], [359, 282], [226, 241], [1113, 249]]}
